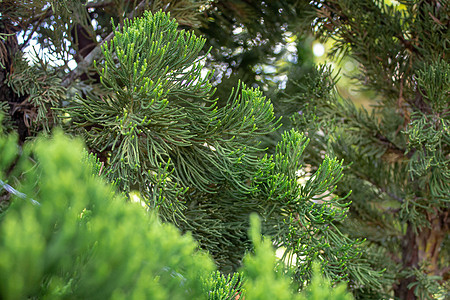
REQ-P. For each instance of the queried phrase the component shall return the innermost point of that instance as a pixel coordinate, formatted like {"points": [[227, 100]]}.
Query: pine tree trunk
{"points": [[410, 259], [422, 248]]}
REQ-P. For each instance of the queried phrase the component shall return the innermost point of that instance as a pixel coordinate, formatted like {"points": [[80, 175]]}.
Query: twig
{"points": [[96, 52], [49, 11], [13, 191], [380, 188], [391, 146], [39, 21], [84, 64]]}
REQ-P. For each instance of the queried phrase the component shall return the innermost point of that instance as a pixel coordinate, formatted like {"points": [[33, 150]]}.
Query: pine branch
{"points": [[391, 146], [96, 52], [38, 21], [49, 12], [379, 187]]}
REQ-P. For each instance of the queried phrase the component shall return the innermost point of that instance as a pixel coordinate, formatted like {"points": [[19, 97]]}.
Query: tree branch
{"points": [[83, 66], [379, 187], [15, 192], [391, 146], [49, 12], [42, 17]]}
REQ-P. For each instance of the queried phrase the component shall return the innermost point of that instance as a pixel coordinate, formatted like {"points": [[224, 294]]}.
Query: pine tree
{"points": [[140, 99], [396, 156]]}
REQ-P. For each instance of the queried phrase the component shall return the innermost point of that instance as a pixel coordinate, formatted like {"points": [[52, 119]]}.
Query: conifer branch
{"points": [[96, 52], [380, 188], [391, 146], [49, 11], [35, 27]]}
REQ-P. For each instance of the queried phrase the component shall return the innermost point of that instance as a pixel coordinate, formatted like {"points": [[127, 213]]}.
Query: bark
{"points": [[423, 248], [410, 259]]}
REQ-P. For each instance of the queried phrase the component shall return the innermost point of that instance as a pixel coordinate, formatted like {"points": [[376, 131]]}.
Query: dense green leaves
{"points": [[396, 152], [221, 287], [159, 111], [199, 164], [85, 242]]}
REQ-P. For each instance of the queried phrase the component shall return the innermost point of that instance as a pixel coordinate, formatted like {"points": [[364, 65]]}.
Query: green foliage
{"points": [[264, 281], [85, 242], [272, 285], [59, 31], [5, 120], [253, 41], [158, 93], [320, 288], [162, 133], [223, 287], [395, 152], [155, 126], [428, 286], [300, 217], [429, 134], [42, 91]]}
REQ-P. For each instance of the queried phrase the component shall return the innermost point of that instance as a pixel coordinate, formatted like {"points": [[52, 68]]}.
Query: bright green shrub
{"points": [[84, 242]]}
